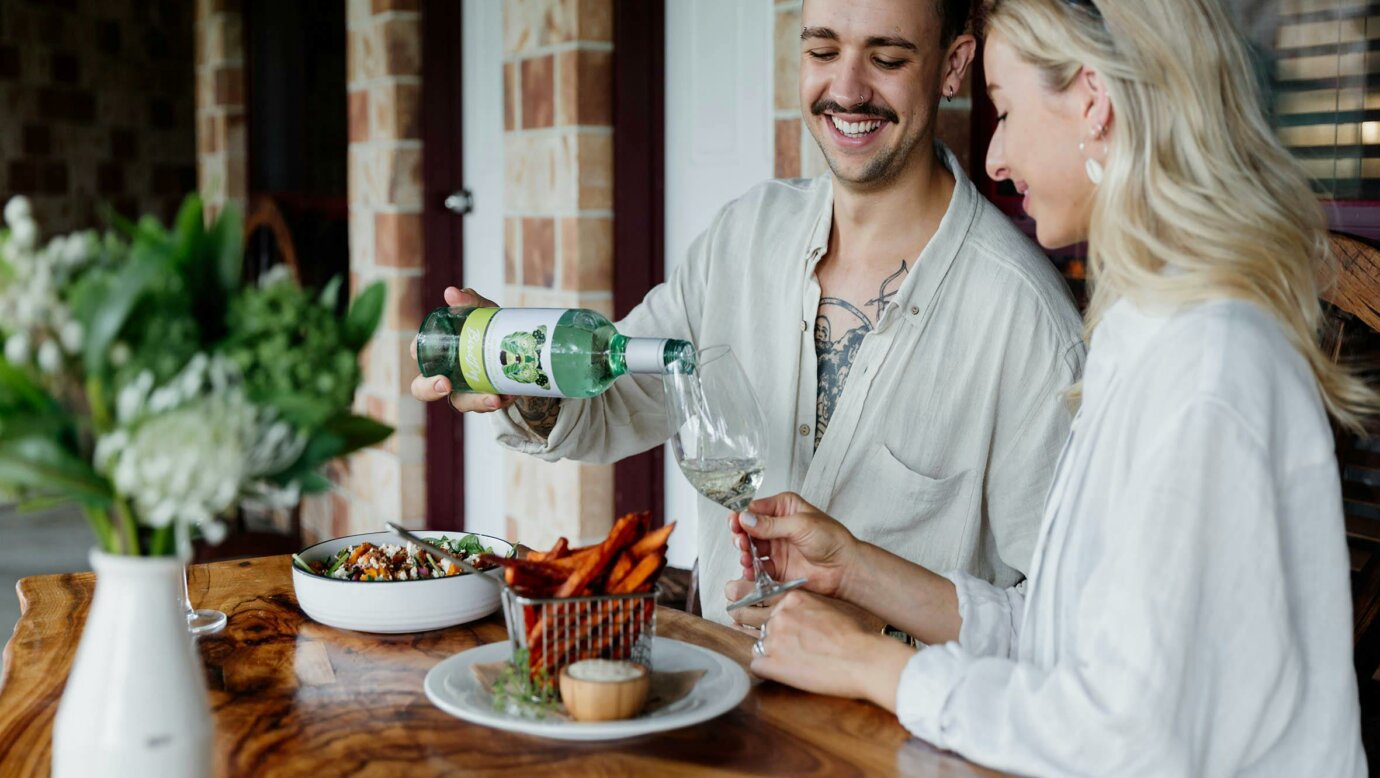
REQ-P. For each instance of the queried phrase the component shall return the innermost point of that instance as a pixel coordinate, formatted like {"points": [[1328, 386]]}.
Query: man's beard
{"points": [[886, 165]]}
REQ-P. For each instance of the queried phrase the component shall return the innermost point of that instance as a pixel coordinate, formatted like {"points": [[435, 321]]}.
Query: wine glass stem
{"points": [[758, 572], [186, 594]]}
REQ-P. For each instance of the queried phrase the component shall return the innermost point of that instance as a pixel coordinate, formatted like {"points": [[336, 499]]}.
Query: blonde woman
{"points": [[1188, 611]]}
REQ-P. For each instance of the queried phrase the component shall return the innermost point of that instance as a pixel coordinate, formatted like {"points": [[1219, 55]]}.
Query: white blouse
{"points": [[1189, 607]]}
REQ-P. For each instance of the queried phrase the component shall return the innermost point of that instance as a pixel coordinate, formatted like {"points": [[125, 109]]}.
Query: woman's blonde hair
{"points": [[1196, 181]]}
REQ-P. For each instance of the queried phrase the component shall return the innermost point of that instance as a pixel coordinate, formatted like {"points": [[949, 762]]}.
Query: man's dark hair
{"points": [[953, 18]]}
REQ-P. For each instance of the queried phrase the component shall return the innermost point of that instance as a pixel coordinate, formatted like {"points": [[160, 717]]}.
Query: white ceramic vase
{"points": [[135, 702]]}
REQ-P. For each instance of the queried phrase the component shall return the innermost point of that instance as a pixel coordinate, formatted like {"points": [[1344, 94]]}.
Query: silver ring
{"points": [[759, 649]]}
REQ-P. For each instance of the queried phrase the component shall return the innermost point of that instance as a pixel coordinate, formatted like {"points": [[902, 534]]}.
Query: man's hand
{"points": [[438, 387]]}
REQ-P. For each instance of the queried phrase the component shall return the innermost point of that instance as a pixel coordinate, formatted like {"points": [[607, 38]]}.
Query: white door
{"points": [[482, 144], [718, 145]]}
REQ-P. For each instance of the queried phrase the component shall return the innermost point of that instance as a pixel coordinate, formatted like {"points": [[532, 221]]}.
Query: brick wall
{"points": [[221, 145], [796, 153], [384, 65], [558, 152], [96, 100]]}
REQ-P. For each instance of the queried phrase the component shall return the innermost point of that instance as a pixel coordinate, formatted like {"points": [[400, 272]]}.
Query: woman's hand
{"points": [[800, 540], [438, 387], [813, 643]]}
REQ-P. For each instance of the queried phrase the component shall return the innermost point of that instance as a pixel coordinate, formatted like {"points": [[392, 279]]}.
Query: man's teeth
{"points": [[855, 129]]}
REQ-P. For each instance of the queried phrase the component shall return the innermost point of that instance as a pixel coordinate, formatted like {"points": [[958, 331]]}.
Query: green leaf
{"points": [[40, 504], [320, 448], [33, 425], [364, 316], [301, 411], [106, 316], [43, 465], [189, 227], [19, 392], [357, 432], [315, 483], [226, 238]]}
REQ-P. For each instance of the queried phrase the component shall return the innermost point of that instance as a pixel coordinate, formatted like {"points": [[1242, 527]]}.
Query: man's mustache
{"points": [[825, 105]]}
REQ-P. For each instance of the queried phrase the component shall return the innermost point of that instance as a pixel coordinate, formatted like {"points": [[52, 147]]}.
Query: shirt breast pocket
{"points": [[908, 497]]}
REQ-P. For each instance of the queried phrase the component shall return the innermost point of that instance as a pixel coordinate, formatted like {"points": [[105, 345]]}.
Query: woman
{"points": [[1188, 611]]}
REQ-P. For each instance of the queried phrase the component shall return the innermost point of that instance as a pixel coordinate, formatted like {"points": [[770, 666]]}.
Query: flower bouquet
{"points": [[142, 379], [145, 381]]}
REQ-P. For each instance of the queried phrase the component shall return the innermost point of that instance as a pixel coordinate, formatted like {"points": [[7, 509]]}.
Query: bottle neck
{"points": [[643, 355]]}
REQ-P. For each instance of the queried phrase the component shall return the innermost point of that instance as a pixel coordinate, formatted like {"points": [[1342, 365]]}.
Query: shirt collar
{"points": [[929, 270], [1121, 337]]}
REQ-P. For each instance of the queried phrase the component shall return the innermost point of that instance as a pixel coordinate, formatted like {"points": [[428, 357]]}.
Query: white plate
{"points": [[451, 686]]}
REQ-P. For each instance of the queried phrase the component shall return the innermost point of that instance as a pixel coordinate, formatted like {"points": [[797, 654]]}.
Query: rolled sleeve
{"points": [[991, 616], [926, 683]]}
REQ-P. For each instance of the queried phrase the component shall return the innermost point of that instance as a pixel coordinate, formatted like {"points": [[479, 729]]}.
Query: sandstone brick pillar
{"points": [[796, 153], [222, 157], [384, 63], [558, 152]]}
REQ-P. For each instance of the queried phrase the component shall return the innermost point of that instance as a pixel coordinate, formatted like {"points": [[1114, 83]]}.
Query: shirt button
{"points": [[915, 310], [804, 430], [804, 326]]}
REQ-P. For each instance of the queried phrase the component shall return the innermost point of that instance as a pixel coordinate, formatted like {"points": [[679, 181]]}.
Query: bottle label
{"points": [[508, 351]]}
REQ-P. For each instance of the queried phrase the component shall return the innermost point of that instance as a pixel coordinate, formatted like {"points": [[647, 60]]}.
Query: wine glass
{"points": [[720, 443], [200, 621]]}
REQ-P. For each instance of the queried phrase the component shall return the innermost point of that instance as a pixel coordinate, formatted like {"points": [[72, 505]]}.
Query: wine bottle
{"points": [[539, 352]]}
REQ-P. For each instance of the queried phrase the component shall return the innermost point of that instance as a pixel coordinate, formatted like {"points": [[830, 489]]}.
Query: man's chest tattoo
{"points": [[840, 327]]}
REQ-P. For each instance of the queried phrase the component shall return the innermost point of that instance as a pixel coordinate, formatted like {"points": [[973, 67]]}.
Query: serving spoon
{"points": [[443, 554]]}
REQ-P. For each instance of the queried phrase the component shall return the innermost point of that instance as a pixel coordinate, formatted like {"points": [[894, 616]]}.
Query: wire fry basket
{"points": [[558, 632]]}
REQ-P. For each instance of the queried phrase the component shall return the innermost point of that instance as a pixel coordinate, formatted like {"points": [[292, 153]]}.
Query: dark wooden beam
{"points": [[639, 53], [443, 231]]}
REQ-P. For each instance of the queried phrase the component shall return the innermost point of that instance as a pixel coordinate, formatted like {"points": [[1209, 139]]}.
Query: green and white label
{"points": [[508, 351]]}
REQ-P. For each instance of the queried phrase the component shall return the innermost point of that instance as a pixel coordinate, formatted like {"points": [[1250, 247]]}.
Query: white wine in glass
{"points": [[720, 443]]}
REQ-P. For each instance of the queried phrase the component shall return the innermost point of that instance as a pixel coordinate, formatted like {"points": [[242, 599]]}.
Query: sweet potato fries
{"points": [[627, 562]]}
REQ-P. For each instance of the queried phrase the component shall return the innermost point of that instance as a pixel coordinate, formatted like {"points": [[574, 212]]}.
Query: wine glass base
{"points": [[767, 592], [204, 621]]}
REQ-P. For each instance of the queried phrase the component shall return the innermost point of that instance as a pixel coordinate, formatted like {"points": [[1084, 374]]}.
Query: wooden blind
{"points": [[1326, 92]]}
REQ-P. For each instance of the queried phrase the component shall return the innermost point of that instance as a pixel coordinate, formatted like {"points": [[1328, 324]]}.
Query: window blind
{"points": [[1326, 92]]}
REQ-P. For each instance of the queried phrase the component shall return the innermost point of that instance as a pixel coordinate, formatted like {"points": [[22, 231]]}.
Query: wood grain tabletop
{"points": [[293, 697]]}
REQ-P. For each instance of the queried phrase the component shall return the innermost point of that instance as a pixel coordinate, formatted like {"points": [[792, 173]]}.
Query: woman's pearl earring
{"points": [[1092, 167]]}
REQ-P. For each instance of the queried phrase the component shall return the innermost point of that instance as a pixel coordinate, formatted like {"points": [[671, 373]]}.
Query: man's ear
{"points": [[957, 60]]}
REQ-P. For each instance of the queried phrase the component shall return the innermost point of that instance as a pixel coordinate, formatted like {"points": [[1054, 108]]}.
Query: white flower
{"points": [[70, 333], [17, 209], [23, 234], [119, 354], [80, 247], [275, 275], [214, 532], [49, 357], [17, 348], [186, 464]]}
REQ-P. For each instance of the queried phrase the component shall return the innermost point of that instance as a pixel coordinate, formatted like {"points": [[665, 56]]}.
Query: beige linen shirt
{"points": [[943, 442]]}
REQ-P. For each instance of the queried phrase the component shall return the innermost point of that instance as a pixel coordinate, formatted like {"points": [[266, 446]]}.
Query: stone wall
{"points": [[558, 152], [797, 154], [96, 100], [384, 66], [221, 145]]}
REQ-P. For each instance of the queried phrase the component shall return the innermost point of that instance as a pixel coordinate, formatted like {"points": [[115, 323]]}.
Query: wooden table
{"points": [[293, 697]]}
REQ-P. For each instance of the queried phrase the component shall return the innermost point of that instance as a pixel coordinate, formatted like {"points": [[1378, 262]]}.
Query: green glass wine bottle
{"points": [[543, 352]]}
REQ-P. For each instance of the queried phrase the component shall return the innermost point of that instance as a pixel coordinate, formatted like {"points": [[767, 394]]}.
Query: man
{"points": [[910, 347]]}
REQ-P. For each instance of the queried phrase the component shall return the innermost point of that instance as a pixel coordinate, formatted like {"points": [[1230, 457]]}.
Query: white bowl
{"points": [[395, 606]]}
